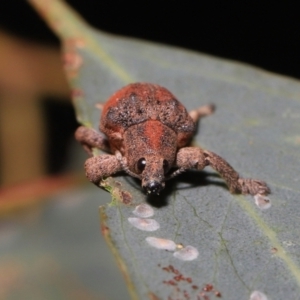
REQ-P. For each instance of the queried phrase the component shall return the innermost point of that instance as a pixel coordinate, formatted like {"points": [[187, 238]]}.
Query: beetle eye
{"points": [[141, 164], [165, 165]]}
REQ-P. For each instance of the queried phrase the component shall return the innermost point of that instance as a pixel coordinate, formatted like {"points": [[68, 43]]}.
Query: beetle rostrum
{"points": [[146, 132]]}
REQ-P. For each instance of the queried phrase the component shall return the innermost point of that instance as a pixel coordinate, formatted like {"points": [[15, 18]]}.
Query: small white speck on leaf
{"points": [[143, 211], [187, 253], [256, 295], [144, 224], [262, 201], [159, 243], [179, 246]]}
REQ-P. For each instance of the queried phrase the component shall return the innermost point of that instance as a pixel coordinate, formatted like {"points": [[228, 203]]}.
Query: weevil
{"points": [[147, 132]]}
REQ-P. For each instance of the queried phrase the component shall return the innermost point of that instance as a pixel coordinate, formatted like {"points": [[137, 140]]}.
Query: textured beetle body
{"points": [[139, 103], [147, 130], [146, 121]]}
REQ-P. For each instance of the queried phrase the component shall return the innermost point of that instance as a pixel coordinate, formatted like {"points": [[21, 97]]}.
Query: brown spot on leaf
{"points": [[104, 230], [178, 277], [126, 197], [115, 188], [171, 268], [189, 280], [72, 61], [77, 93], [74, 43], [218, 294], [274, 250], [180, 281], [208, 288], [152, 296]]}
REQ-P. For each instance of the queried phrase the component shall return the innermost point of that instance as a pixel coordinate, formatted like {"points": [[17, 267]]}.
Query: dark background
{"points": [[265, 34]]}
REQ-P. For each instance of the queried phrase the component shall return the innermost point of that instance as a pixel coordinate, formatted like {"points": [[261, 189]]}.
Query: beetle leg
{"points": [[202, 111], [90, 138], [99, 167], [196, 158]]}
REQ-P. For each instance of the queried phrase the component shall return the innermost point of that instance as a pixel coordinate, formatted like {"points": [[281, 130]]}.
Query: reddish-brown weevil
{"points": [[147, 130]]}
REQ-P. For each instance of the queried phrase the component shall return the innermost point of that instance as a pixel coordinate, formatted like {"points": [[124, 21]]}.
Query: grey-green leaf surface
{"points": [[255, 128]]}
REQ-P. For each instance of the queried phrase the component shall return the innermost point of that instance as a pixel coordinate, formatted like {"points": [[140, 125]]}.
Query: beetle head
{"points": [[152, 169]]}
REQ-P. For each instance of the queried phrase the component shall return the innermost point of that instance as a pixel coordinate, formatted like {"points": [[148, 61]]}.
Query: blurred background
{"points": [[38, 155]]}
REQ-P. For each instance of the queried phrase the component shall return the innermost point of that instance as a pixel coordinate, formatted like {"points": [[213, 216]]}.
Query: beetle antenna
{"points": [[176, 173], [123, 163]]}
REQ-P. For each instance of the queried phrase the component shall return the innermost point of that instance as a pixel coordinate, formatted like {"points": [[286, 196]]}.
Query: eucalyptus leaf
{"points": [[256, 128]]}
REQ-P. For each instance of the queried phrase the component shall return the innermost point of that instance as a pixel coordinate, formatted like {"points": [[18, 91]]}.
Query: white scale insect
{"points": [[144, 211]]}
